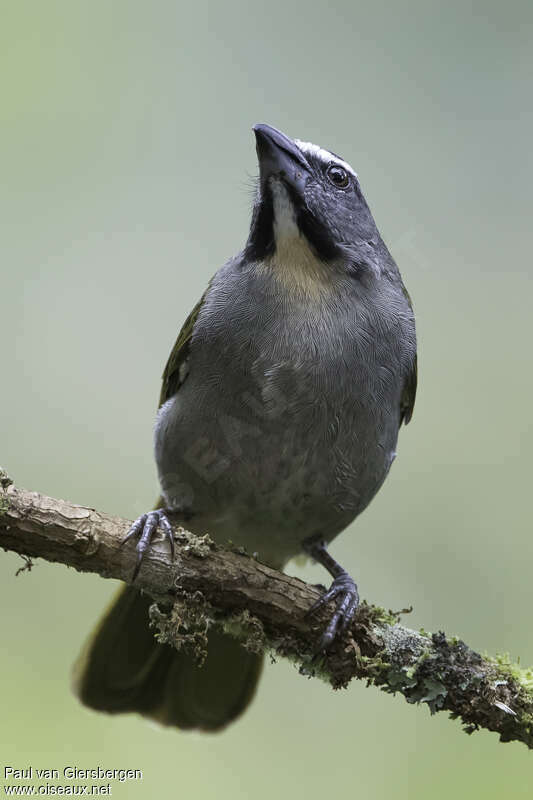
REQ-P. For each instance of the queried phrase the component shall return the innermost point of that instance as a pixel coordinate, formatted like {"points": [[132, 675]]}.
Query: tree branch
{"points": [[208, 584]]}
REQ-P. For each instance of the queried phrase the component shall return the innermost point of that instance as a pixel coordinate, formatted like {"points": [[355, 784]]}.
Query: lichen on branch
{"points": [[208, 585]]}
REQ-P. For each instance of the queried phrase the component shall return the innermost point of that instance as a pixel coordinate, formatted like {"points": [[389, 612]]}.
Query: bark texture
{"points": [[209, 585]]}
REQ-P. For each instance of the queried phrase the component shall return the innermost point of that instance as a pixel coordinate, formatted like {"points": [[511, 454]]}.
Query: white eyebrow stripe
{"points": [[324, 155]]}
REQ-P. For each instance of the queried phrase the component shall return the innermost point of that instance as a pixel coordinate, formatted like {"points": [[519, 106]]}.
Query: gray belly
{"points": [[275, 454]]}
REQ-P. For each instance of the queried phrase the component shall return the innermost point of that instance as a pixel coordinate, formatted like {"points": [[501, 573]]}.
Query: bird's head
{"points": [[309, 208]]}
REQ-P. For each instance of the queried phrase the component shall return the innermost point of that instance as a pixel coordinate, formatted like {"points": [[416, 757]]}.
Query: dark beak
{"points": [[279, 156]]}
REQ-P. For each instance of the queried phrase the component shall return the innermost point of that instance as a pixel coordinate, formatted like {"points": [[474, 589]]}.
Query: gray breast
{"points": [[287, 421]]}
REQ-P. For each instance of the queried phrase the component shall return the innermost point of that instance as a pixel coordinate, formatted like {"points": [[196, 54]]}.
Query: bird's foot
{"points": [[144, 529], [344, 591]]}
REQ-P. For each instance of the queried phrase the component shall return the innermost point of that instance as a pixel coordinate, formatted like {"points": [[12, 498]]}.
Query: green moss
{"points": [[199, 546], [185, 626], [422, 667], [379, 615], [310, 666], [508, 669], [375, 669], [248, 629], [413, 679]]}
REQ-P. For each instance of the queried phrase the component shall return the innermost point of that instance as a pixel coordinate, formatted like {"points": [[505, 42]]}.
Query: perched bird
{"points": [[278, 420]]}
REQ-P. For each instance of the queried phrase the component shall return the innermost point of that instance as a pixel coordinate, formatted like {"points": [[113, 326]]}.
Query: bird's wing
{"points": [[173, 375], [407, 401]]}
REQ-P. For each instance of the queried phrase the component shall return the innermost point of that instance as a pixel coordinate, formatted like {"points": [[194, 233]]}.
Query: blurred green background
{"points": [[126, 156]]}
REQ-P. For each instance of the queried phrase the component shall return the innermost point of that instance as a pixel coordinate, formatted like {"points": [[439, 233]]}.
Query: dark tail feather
{"points": [[123, 668]]}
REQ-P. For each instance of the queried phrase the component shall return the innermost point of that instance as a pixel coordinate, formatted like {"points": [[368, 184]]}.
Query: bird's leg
{"points": [[343, 590], [144, 528]]}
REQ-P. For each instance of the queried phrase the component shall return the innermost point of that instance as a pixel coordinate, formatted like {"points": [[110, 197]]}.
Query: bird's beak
{"points": [[280, 157]]}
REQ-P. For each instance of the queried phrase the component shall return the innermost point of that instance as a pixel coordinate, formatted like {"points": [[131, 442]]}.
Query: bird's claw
{"points": [[344, 591], [144, 529]]}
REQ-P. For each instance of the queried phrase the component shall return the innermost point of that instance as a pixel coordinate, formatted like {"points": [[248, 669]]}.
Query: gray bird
{"points": [[278, 421]]}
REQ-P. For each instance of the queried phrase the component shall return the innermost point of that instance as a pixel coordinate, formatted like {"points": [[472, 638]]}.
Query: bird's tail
{"points": [[123, 668]]}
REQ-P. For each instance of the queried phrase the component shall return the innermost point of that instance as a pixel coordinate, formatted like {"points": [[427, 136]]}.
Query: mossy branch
{"points": [[207, 584]]}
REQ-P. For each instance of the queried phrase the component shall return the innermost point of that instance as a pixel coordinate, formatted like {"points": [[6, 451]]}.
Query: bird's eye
{"points": [[338, 176]]}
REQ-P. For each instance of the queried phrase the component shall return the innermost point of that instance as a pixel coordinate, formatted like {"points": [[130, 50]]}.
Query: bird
{"points": [[278, 420]]}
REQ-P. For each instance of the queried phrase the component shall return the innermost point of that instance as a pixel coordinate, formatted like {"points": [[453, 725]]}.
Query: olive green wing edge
{"points": [[178, 356]]}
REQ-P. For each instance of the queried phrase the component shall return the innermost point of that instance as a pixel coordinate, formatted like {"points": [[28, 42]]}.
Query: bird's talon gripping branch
{"points": [[144, 529], [343, 590]]}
